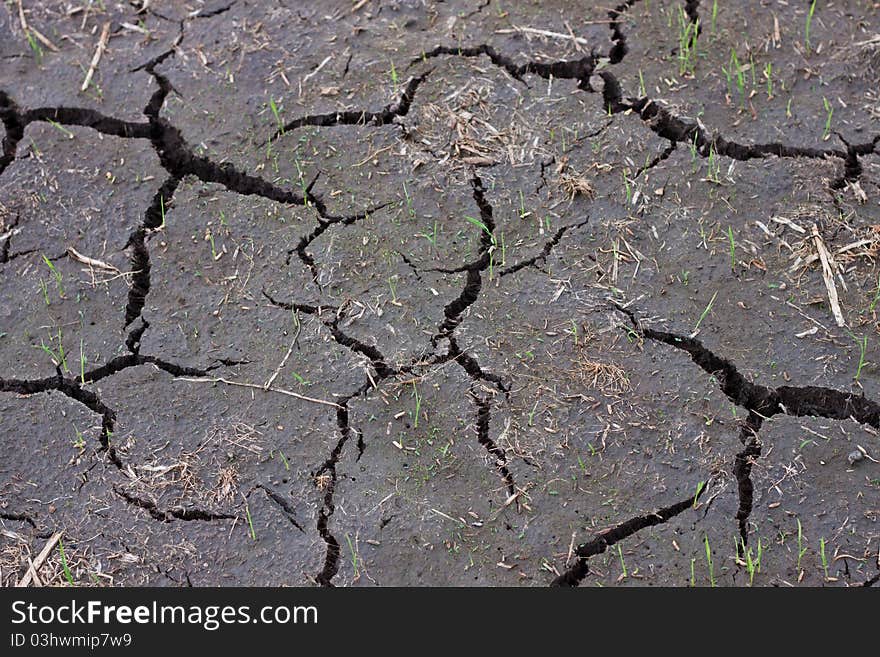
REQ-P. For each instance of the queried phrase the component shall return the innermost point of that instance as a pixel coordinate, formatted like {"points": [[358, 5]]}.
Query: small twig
{"points": [[309, 76], [33, 573], [44, 553], [102, 44], [91, 262], [281, 364], [257, 386], [30, 29], [552, 35], [828, 276], [577, 44]]}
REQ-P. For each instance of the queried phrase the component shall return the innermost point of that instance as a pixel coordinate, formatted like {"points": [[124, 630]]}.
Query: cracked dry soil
{"points": [[441, 293]]}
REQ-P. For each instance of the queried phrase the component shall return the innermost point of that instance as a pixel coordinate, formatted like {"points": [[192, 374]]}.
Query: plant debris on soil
{"points": [[439, 293]]}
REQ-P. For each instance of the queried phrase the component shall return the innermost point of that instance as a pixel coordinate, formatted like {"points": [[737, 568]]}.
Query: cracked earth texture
{"points": [[441, 293]]}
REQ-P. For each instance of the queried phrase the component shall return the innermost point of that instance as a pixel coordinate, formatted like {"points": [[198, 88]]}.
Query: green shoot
{"points": [[284, 460], [808, 26], [61, 128], [432, 236], [714, 167], [709, 561], [829, 112], [354, 556], [299, 378], [247, 512], [392, 284], [213, 247], [687, 43], [35, 47], [768, 76], [418, 409], [620, 556], [479, 224], [802, 550], [732, 245], [700, 487], [45, 291], [58, 357], [824, 558], [750, 566], [393, 75], [532, 414], [863, 347], [788, 109], [277, 115], [80, 442], [409, 202], [302, 182], [56, 274], [707, 310], [753, 565], [64, 566], [736, 73], [631, 335], [714, 15], [693, 574]]}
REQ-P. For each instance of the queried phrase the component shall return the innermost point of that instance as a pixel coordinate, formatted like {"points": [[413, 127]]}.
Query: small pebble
{"points": [[854, 457]]}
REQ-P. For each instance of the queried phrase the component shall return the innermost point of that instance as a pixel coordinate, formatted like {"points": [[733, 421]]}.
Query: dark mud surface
{"points": [[440, 293]]}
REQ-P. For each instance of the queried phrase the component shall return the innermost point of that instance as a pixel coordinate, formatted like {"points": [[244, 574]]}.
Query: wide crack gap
{"points": [[576, 573], [385, 116], [73, 388], [495, 452], [692, 11], [154, 218], [474, 280], [323, 224], [326, 478], [795, 401], [173, 513], [762, 403], [575, 69], [18, 517], [6, 238], [664, 155], [14, 126], [90, 400], [281, 502], [619, 49], [660, 120], [376, 358], [672, 128], [852, 166], [742, 470], [545, 252]]}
